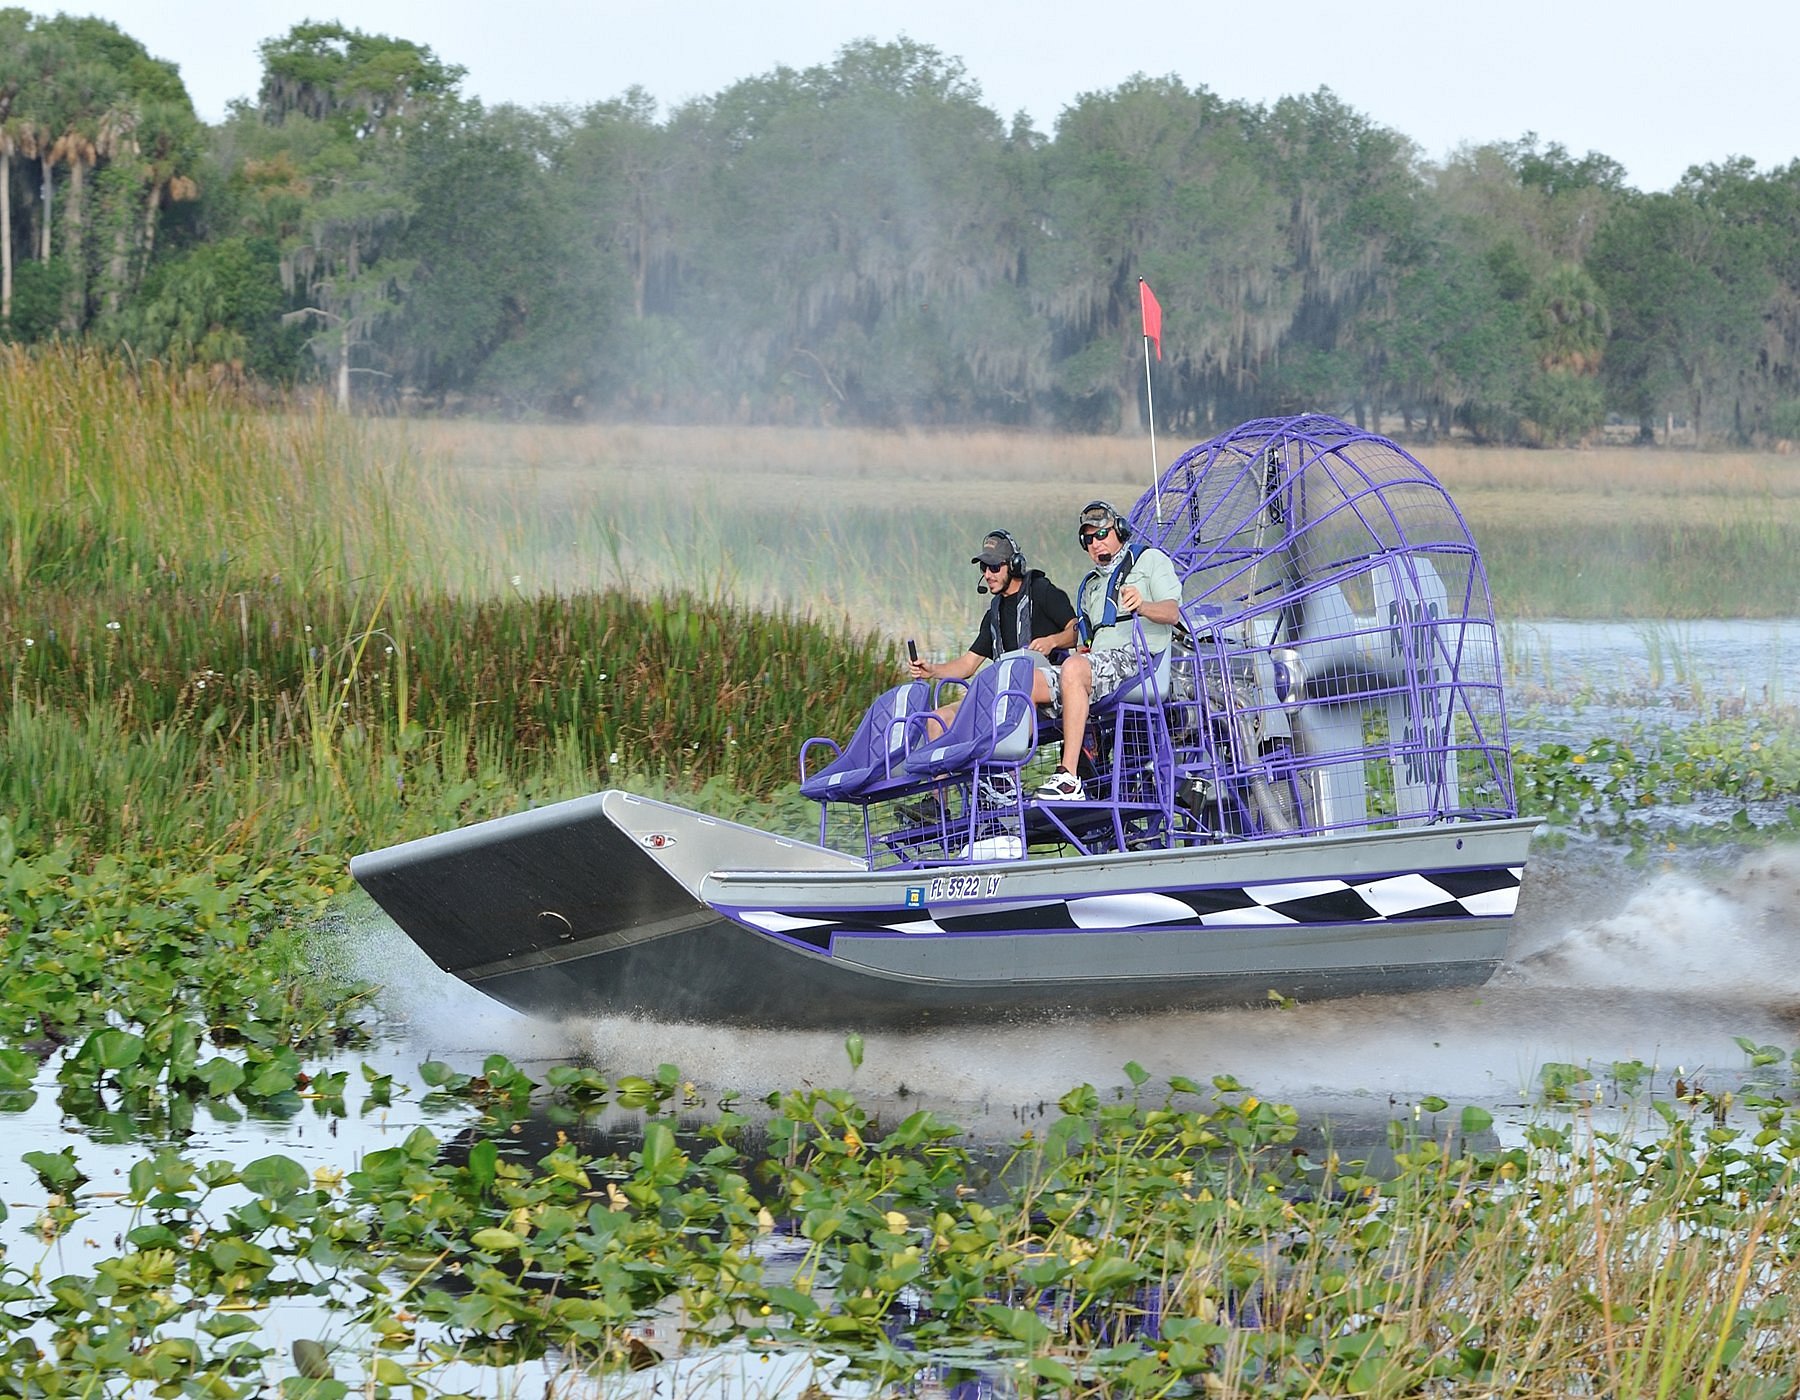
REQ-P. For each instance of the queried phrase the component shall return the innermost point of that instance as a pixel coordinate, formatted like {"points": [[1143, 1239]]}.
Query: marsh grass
{"points": [[227, 624], [1740, 564], [359, 718], [877, 527], [227, 627], [133, 476]]}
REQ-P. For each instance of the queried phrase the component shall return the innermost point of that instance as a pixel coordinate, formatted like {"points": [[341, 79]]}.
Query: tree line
{"points": [[866, 241]]}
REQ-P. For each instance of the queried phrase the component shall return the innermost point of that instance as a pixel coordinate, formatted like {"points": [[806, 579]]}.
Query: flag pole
{"points": [[1150, 400], [1146, 300]]}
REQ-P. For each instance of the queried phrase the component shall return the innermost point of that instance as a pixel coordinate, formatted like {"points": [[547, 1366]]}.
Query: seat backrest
{"points": [[996, 722], [876, 746], [902, 703], [1014, 715]]}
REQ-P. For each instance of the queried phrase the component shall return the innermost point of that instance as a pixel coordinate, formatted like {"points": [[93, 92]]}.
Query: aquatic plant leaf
{"points": [[17, 1068], [1067, 1135], [275, 1177], [270, 1080], [303, 1388], [111, 1050], [1083, 1098], [579, 1083], [1476, 1119], [439, 1075], [1760, 1055], [223, 1325], [1104, 1275], [220, 1076], [916, 1128], [1021, 1324], [381, 1087], [565, 1165], [505, 1078], [1558, 1078], [482, 1157], [662, 1160], [57, 1170]]}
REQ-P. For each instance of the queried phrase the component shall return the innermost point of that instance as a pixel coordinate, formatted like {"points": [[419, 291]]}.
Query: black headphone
{"points": [[1119, 522], [1014, 561]]}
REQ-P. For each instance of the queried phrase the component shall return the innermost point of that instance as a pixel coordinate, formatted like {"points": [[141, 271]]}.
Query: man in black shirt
{"points": [[1025, 611]]}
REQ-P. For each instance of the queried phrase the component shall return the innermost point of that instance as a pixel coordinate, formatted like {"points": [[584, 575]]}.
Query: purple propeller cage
{"points": [[1345, 663], [1337, 668]]}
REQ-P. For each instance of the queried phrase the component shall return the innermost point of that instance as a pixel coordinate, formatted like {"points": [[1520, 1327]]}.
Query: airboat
{"points": [[1308, 795]]}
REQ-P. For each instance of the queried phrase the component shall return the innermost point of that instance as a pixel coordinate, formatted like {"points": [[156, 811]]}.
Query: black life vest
{"points": [[1021, 619]]}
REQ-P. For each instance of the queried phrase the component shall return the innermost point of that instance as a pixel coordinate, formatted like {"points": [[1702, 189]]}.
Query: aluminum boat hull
{"points": [[616, 904]]}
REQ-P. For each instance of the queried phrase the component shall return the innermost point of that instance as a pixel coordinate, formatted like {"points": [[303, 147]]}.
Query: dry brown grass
{"points": [[986, 469], [874, 527], [1640, 486], [976, 469]]}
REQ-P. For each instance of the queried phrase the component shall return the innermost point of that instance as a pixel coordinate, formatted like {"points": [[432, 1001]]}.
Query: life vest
{"points": [[1122, 565]]}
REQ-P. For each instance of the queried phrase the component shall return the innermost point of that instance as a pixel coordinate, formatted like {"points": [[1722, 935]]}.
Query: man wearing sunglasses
{"points": [[1025, 611], [1125, 582]]}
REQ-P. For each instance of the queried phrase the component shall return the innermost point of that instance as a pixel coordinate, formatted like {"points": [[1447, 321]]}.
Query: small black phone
{"points": [[912, 651]]}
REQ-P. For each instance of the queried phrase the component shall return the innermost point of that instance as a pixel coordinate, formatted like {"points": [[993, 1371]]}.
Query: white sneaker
{"points": [[999, 790], [1061, 787]]}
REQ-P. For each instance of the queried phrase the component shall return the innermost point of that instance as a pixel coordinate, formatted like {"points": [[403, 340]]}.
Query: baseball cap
{"points": [[994, 550]]}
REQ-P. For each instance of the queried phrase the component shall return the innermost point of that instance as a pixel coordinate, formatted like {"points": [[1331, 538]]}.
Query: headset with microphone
{"points": [[1015, 557], [1121, 526]]}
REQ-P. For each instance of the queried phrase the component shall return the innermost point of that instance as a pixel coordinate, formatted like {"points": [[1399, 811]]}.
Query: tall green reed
{"points": [[1738, 566], [128, 474], [106, 694], [225, 623]]}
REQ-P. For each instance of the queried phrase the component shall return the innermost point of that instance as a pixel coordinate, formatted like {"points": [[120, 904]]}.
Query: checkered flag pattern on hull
{"points": [[1442, 894]]}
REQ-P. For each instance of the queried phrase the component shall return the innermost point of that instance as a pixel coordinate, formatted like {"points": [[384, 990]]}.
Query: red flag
{"points": [[1152, 315]]}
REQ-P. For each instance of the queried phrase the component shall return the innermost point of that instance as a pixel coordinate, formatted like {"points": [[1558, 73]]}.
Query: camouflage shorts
{"points": [[1112, 668]]}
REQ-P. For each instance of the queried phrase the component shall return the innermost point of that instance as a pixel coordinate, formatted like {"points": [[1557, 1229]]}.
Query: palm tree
{"points": [[13, 69], [92, 121], [166, 142], [1572, 325]]}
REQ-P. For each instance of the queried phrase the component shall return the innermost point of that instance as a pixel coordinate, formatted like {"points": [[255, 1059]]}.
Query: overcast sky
{"points": [[1657, 85]]}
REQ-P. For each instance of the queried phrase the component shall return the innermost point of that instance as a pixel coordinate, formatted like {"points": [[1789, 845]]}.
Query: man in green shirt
{"points": [[1125, 582]]}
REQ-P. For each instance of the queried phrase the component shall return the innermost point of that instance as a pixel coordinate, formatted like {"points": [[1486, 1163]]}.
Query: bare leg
{"points": [[1077, 686], [943, 714]]}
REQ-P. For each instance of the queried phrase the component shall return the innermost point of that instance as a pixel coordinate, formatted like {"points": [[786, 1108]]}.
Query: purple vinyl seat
{"points": [[995, 726], [873, 754]]}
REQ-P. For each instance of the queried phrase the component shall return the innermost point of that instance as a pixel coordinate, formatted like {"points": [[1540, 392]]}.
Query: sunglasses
{"points": [[1098, 533], [990, 568]]}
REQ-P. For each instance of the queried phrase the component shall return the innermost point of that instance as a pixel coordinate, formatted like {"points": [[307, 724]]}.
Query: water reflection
{"points": [[1580, 680]]}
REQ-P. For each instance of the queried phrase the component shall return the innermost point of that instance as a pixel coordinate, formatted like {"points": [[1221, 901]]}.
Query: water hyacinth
{"points": [[1174, 1239]]}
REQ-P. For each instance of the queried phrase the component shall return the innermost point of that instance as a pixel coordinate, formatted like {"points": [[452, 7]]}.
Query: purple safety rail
{"points": [[1337, 668]]}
